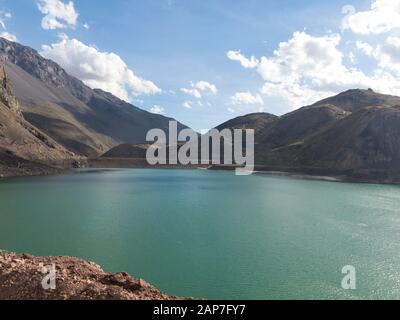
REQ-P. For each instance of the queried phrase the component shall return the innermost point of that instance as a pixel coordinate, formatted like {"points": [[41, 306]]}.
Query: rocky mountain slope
{"points": [[127, 151], [85, 121], [356, 99], [55, 116], [355, 134], [21, 279], [22, 146], [258, 121]]}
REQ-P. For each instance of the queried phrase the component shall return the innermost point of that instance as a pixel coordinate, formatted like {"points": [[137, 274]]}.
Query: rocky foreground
{"points": [[21, 278]]}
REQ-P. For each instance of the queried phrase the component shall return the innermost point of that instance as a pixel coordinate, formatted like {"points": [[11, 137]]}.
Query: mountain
{"points": [[127, 151], [84, 121], [296, 126], [256, 121], [354, 134], [48, 116], [368, 138], [22, 145], [356, 99]]}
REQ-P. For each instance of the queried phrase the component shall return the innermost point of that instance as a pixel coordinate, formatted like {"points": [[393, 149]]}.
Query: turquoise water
{"points": [[212, 234]]}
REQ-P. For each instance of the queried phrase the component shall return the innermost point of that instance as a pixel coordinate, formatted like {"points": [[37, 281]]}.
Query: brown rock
{"points": [[21, 278]]}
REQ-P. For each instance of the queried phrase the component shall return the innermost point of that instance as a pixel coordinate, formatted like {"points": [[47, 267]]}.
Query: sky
{"points": [[204, 62]]}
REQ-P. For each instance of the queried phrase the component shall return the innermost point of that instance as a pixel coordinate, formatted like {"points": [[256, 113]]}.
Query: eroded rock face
{"points": [[6, 93], [24, 149], [21, 278]]}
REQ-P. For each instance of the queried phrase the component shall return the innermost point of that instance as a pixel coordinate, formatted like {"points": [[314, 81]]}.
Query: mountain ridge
{"points": [[85, 121], [353, 135], [23, 147]]}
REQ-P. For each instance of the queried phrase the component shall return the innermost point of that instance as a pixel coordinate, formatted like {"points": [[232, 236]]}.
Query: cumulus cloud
{"points": [[296, 94], [97, 69], [199, 88], [305, 56], [192, 92], [365, 48], [305, 69], [188, 104], [383, 16], [386, 54], [8, 36], [58, 15], [246, 101], [352, 57], [4, 16], [245, 62], [157, 109], [246, 98]]}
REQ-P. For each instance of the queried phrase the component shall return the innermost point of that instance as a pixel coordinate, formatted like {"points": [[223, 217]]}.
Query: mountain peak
{"points": [[43, 69], [356, 99]]}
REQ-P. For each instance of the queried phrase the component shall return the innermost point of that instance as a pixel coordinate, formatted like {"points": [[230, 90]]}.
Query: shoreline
{"points": [[300, 176], [75, 279], [329, 178], [319, 174]]}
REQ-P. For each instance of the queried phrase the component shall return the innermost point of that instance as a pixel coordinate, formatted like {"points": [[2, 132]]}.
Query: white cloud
{"points": [[188, 104], [58, 15], [246, 98], [383, 16], [192, 92], [245, 62], [306, 56], [365, 48], [97, 69], [8, 36], [352, 57], [157, 109], [86, 26], [4, 16], [387, 54], [206, 86], [245, 101], [138, 101], [297, 95], [305, 69], [197, 89]]}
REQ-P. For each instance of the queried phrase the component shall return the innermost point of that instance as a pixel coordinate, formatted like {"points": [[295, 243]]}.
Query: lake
{"points": [[212, 234]]}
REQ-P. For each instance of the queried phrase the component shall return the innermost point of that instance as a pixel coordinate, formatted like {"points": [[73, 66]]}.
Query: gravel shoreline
{"points": [[22, 278]]}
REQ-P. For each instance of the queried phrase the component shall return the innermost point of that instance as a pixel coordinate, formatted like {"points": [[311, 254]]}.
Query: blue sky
{"points": [[206, 61]]}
